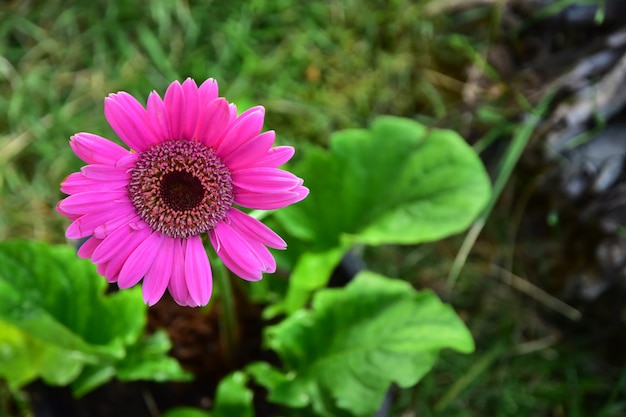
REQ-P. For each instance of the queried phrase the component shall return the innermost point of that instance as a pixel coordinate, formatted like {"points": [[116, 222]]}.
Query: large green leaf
{"points": [[24, 358], [57, 302], [397, 182], [345, 352], [232, 398], [56, 322]]}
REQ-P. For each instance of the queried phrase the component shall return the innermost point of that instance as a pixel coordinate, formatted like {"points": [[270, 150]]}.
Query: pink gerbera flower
{"points": [[193, 159]]}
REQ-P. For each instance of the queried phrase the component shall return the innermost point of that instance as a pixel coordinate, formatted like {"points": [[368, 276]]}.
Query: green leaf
{"points": [[56, 323], [92, 376], [57, 302], [232, 398], [397, 182], [186, 412], [148, 359], [269, 378], [23, 358], [311, 272], [356, 341]]}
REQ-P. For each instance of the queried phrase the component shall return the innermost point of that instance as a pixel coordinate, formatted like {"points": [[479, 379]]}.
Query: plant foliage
{"points": [[56, 323], [345, 352], [395, 183]]}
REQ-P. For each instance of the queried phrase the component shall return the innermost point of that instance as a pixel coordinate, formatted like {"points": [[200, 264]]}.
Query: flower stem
{"points": [[228, 317]]}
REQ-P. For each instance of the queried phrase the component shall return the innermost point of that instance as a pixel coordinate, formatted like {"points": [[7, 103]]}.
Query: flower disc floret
{"points": [[181, 188]]}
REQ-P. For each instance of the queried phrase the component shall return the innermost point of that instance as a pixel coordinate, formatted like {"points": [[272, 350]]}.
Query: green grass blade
{"points": [[511, 157]]}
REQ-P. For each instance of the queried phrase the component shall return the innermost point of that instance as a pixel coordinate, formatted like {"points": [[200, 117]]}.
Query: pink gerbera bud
{"points": [[192, 160]]}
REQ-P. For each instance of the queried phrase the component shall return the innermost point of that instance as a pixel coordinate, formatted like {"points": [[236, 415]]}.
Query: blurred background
{"points": [[538, 87]]}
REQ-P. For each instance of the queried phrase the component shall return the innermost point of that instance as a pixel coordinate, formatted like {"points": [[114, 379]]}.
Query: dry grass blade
{"points": [[536, 293]]}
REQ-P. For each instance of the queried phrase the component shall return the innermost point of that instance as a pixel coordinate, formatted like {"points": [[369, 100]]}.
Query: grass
{"points": [[317, 67]]}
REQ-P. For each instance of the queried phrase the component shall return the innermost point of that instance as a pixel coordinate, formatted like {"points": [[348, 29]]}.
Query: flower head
{"points": [[192, 161]]}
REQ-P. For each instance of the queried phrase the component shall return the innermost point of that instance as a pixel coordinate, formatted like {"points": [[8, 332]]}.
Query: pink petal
{"points": [[129, 120], [137, 224], [127, 162], [62, 212], [178, 285], [104, 173], [122, 252], [250, 152], [95, 149], [302, 192], [92, 201], [275, 157], [87, 249], [207, 92], [110, 276], [105, 222], [101, 269], [192, 109], [245, 272], [189, 302], [253, 229], [264, 255], [124, 216], [232, 108], [198, 271], [139, 114], [213, 121], [157, 115], [112, 244], [176, 108], [158, 276], [76, 183], [247, 259], [140, 260], [265, 180], [260, 201], [245, 128]]}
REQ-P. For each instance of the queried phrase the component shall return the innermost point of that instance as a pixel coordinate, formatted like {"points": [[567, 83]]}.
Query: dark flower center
{"points": [[181, 191], [181, 188]]}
